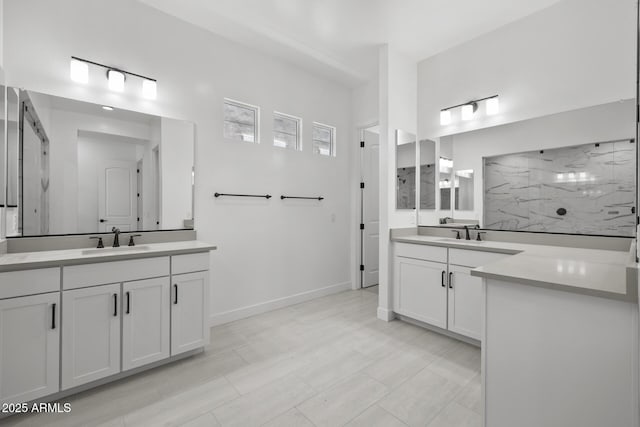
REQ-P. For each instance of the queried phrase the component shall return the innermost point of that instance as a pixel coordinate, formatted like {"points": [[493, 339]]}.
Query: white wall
{"points": [[397, 110], [575, 54], [267, 250]]}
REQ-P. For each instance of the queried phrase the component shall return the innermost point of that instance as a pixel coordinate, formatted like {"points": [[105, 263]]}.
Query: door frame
{"points": [[360, 215]]}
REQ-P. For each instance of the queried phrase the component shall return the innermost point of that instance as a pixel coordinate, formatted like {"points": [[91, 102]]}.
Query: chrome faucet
{"points": [[116, 239]]}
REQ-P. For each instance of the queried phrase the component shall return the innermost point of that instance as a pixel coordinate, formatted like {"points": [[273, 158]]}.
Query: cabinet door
{"points": [[90, 334], [145, 322], [465, 302], [189, 311], [29, 347], [421, 291]]}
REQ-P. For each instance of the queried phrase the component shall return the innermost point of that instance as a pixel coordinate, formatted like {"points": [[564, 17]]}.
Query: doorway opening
{"points": [[369, 206]]}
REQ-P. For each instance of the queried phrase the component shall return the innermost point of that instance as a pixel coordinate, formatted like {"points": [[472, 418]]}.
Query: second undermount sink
{"points": [[97, 251]]}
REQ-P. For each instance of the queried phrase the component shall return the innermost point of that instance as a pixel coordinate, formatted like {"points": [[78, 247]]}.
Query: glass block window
{"points": [[241, 121], [324, 139], [286, 131]]}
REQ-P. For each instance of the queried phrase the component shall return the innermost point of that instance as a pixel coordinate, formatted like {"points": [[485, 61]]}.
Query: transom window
{"points": [[286, 131], [241, 121], [324, 139]]}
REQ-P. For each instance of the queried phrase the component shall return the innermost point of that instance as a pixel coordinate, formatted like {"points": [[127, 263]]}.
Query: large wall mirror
{"points": [[76, 167], [570, 167]]}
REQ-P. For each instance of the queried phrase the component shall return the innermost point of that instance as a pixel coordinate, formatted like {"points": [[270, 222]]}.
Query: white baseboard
{"points": [[385, 314], [252, 310]]}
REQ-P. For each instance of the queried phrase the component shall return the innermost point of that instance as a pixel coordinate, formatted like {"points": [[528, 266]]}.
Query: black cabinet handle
{"points": [[103, 220], [443, 273], [175, 298], [115, 305], [450, 280], [53, 316], [128, 302]]}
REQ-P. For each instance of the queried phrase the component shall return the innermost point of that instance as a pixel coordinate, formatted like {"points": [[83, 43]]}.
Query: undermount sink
{"points": [[95, 251], [453, 240]]}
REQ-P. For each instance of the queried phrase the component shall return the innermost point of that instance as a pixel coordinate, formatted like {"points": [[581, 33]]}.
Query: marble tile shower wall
{"points": [[586, 189]]}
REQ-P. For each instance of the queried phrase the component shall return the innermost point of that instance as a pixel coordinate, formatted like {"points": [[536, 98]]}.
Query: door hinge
{"points": [[361, 267], [362, 185], [138, 218], [138, 194], [361, 144], [137, 170], [361, 226]]}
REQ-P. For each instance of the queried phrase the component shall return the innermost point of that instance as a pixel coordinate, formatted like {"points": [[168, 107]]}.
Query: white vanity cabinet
{"points": [[421, 291], [189, 302], [145, 322], [465, 302], [90, 334], [29, 347], [434, 285]]}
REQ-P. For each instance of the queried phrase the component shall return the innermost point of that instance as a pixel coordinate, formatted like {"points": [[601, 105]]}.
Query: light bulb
{"points": [[467, 112], [493, 106], [116, 80], [445, 117], [149, 89], [79, 71]]}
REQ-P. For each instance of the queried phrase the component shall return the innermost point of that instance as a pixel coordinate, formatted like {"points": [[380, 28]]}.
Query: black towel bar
{"points": [[266, 196], [298, 197]]}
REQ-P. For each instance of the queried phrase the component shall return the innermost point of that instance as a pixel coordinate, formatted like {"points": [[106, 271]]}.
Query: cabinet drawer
{"points": [[473, 259], [190, 262], [429, 253], [80, 276], [29, 282]]}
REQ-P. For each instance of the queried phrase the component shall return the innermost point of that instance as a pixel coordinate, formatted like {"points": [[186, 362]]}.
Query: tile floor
{"points": [[325, 362]]}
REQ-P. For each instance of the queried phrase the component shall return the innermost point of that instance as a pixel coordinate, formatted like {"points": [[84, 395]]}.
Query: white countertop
{"points": [[27, 260], [596, 272]]}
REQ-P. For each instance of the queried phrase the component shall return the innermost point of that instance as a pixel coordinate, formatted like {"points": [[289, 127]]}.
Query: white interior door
{"points": [[117, 194], [370, 208]]}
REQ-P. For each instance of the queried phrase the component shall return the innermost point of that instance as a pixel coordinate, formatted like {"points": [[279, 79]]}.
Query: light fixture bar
{"points": [[112, 68], [470, 102]]}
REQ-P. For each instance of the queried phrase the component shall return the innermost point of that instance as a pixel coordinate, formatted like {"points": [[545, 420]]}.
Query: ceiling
{"points": [[339, 38]]}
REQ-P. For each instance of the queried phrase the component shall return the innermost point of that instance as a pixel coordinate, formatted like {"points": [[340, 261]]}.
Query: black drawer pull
{"points": [[450, 280], [53, 316], [443, 273], [115, 305], [128, 302], [175, 299]]}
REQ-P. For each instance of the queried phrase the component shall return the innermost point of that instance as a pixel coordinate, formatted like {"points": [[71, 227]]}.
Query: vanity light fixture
{"points": [[149, 88], [468, 110], [116, 80], [492, 107], [79, 71], [116, 77], [445, 117], [106, 107]]}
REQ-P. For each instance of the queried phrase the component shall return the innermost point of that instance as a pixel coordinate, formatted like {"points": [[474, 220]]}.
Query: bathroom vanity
{"points": [[557, 325], [76, 318]]}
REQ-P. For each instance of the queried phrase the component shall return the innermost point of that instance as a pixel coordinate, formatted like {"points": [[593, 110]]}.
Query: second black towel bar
{"points": [[298, 197]]}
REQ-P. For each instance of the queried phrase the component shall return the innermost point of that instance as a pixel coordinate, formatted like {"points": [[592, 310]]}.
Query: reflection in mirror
{"points": [[88, 168], [427, 174], [405, 170], [13, 113], [463, 183], [445, 167], [3, 165]]}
